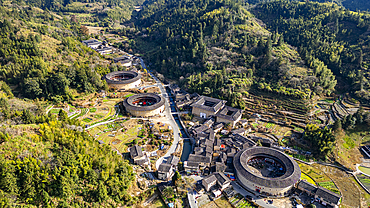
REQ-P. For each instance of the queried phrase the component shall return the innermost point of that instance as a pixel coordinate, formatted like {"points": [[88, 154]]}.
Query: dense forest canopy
{"points": [[336, 36], [101, 12], [42, 56], [354, 5], [218, 48], [60, 167]]}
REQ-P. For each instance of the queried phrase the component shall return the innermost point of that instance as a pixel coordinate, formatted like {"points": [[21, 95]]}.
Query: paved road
{"points": [[191, 199], [172, 122], [244, 192]]}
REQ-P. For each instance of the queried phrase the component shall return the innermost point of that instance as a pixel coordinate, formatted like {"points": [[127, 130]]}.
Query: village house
{"points": [[92, 43], [229, 115], [207, 106], [165, 171], [137, 156]]}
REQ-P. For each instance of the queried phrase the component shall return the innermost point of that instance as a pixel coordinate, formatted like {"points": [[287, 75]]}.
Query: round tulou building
{"points": [[123, 80], [144, 104], [266, 171]]}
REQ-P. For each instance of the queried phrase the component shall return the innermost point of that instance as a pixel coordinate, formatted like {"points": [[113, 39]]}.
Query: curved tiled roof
{"points": [[108, 77], [129, 106], [290, 177]]}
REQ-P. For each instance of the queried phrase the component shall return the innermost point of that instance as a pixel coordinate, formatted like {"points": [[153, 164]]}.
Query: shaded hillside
{"points": [[337, 37], [218, 48], [354, 5]]}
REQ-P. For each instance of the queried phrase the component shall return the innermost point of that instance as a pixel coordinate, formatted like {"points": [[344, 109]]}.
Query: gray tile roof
{"points": [[221, 178], [191, 164], [91, 42], [199, 158], [238, 131], [164, 168], [220, 167], [230, 113], [327, 195], [217, 104], [217, 126], [173, 160], [307, 186], [246, 142], [135, 151], [290, 177], [210, 179]]}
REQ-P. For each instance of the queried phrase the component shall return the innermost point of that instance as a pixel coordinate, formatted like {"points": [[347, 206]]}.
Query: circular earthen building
{"points": [[123, 80], [266, 171], [144, 104]]}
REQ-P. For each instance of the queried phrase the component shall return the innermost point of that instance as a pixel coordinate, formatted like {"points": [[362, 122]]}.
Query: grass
{"points": [[128, 95], [87, 120], [222, 202], [93, 110], [348, 143], [365, 180], [157, 203], [270, 125], [330, 186], [364, 170], [307, 178], [317, 175], [54, 111]]}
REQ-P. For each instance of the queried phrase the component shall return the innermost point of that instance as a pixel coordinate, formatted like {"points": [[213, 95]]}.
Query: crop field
{"points": [[238, 201], [317, 175], [118, 140], [365, 170], [270, 125], [307, 178], [330, 186], [365, 180], [54, 110]]}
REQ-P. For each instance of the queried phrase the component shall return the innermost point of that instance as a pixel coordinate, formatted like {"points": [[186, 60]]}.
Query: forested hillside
{"points": [[103, 13], [337, 37], [59, 167], [354, 5], [218, 48], [42, 57]]}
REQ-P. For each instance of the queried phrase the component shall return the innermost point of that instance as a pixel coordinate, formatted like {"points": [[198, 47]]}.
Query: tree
{"points": [[322, 140], [84, 30], [281, 40], [176, 178], [337, 125], [62, 115], [27, 117]]}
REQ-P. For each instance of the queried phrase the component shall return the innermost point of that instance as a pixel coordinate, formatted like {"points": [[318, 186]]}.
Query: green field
{"points": [[54, 111], [307, 178], [330, 186], [364, 170], [349, 143]]}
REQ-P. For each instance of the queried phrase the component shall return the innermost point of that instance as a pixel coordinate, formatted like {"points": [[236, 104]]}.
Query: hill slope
{"points": [[218, 48], [354, 5], [337, 37]]}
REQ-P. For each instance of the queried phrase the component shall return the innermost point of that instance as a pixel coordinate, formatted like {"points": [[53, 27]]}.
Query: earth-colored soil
{"points": [[350, 191]]}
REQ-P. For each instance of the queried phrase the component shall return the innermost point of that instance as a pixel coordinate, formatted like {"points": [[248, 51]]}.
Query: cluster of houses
{"points": [[166, 170], [101, 47], [215, 183]]}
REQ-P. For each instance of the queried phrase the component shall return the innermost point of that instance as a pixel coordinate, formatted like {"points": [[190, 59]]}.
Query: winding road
{"points": [[171, 120]]}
